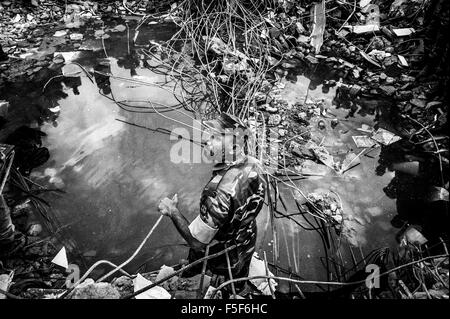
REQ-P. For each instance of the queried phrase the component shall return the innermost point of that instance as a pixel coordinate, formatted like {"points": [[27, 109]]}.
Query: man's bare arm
{"points": [[182, 225]]}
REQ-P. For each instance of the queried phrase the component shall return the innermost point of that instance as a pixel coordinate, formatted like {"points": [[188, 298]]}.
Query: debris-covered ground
{"points": [[387, 60]]}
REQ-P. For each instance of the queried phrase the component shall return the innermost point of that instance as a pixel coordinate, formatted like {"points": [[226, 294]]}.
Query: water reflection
{"points": [[114, 173]]}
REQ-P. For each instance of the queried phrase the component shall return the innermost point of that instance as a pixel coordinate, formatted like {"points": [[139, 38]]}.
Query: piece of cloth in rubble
{"points": [[229, 205], [6, 225]]}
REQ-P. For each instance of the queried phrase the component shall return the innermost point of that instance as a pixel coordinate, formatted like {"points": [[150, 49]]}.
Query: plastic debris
{"points": [[403, 32], [360, 29], [385, 137], [209, 292], [402, 60], [61, 258], [350, 161], [5, 282], [318, 25], [363, 141], [156, 292], [258, 268]]}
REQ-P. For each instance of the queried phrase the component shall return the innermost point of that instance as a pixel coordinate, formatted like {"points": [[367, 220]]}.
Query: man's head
{"points": [[225, 138]]}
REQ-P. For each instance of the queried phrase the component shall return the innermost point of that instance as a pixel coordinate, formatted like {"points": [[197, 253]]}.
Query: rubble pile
{"points": [[32, 267], [372, 51], [329, 207], [31, 34]]}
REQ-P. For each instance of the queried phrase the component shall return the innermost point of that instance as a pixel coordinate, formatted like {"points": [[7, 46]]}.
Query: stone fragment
{"points": [[271, 109], [76, 37], [59, 59], [274, 119], [361, 29], [390, 80], [91, 290], [119, 28], [387, 89], [418, 103], [60, 33]]}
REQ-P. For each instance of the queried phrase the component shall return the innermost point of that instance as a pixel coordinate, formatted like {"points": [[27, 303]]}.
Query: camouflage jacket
{"points": [[229, 204]]}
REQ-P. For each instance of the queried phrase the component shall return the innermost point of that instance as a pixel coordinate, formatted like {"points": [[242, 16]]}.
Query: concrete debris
{"points": [[362, 29], [91, 290], [403, 32]]}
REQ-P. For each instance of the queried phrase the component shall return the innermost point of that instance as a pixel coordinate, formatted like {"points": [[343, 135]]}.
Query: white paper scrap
{"points": [[156, 292], [61, 258]]}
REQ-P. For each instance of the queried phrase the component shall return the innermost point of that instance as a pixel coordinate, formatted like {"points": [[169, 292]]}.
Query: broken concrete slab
{"points": [[91, 290], [403, 32], [361, 29]]}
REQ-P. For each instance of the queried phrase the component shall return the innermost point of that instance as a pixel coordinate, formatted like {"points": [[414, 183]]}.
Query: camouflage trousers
{"points": [[6, 225]]}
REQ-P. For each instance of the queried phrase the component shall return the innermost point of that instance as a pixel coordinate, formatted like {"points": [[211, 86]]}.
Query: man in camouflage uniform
{"points": [[229, 203]]}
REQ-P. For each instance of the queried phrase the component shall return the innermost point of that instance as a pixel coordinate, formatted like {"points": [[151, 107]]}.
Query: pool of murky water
{"points": [[367, 208], [114, 173]]}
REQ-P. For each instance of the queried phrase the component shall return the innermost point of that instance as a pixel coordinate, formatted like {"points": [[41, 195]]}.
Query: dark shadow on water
{"points": [[413, 191]]}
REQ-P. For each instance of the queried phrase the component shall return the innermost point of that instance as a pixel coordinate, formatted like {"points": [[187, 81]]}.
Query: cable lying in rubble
{"points": [[329, 283], [135, 253], [118, 267], [198, 261]]}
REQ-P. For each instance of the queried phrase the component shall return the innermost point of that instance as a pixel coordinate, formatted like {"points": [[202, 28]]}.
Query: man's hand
{"points": [[167, 206]]}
